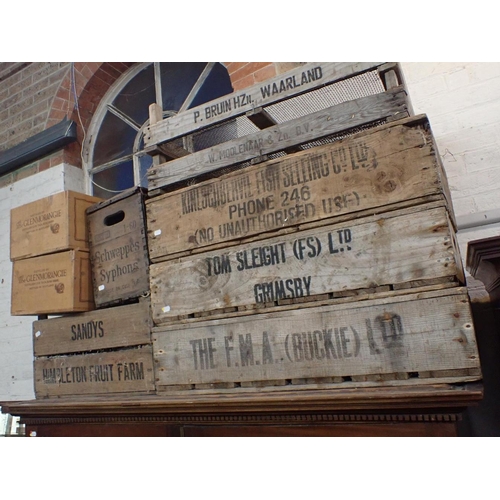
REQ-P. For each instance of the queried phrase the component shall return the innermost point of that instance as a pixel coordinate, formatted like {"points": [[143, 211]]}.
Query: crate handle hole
{"points": [[115, 218]]}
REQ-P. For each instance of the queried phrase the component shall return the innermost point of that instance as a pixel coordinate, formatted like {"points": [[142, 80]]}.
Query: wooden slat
{"points": [[123, 371], [393, 248], [341, 117], [428, 332], [113, 327], [294, 82], [372, 169]]}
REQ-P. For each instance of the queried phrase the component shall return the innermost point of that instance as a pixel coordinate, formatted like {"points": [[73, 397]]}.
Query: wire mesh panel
{"points": [[275, 127]]}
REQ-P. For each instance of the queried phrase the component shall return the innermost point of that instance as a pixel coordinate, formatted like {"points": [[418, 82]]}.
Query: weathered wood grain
{"points": [[392, 248], [51, 224], [344, 116], [289, 84], [55, 283], [426, 332], [122, 371], [369, 170], [118, 248], [113, 327]]}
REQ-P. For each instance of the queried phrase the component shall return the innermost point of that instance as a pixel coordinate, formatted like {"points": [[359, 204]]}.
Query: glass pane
{"points": [[115, 139], [135, 98], [177, 80], [217, 84], [111, 181]]}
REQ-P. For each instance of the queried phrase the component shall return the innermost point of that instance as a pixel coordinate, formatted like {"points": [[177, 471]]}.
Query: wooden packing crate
{"points": [[413, 338], [287, 136], [112, 327], [50, 225], [52, 284], [118, 248], [294, 82], [110, 372], [393, 248], [372, 171]]}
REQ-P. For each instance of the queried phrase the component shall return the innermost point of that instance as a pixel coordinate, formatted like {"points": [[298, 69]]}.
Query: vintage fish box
{"points": [[109, 328], [404, 338], [393, 249], [52, 284], [391, 166], [50, 225], [108, 372], [118, 248]]}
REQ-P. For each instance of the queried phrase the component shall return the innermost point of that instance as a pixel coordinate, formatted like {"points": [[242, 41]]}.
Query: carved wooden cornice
{"points": [[483, 263], [440, 402]]}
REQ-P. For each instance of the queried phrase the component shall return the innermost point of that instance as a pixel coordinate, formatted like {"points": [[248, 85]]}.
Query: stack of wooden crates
{"points": [[271, 264], [50, 254], [106, 350], [332, 265]]}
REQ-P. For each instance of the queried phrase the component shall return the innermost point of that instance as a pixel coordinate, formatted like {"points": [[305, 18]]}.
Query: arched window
{"points": [[116, 159]]}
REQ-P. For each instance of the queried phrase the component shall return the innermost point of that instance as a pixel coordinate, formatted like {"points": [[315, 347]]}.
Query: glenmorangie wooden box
{"points": [[52, 284]]}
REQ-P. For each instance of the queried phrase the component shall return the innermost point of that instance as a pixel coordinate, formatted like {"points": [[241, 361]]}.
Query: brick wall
{"points": [[26, 95], [246, 74]]}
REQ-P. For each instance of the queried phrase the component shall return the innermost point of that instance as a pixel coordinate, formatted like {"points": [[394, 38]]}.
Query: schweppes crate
{"points": [[50, 225], [102, 351], [56, 283], [407, 338], [118, 248], [402, 248], [391, 166]]}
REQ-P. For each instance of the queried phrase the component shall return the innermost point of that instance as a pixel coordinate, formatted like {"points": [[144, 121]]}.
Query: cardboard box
{"points": [[52, 284], [49, 225], [118, 248]]}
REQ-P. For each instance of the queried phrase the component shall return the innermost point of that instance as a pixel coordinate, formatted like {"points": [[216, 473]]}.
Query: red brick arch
{"points": [[92, 81]]}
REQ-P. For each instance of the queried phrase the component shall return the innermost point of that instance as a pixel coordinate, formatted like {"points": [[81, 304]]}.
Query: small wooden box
{"points": [[50, 225], [118, 248], [52, 284], [109, 328]]}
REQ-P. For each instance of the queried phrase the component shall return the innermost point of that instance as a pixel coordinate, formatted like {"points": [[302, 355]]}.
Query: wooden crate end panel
{"points": [[51, 284], [114, 327], [125, 371]]}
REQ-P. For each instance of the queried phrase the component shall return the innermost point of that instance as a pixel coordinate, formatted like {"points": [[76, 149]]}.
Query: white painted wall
{"points": [[462, 101], [16, 348]]}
